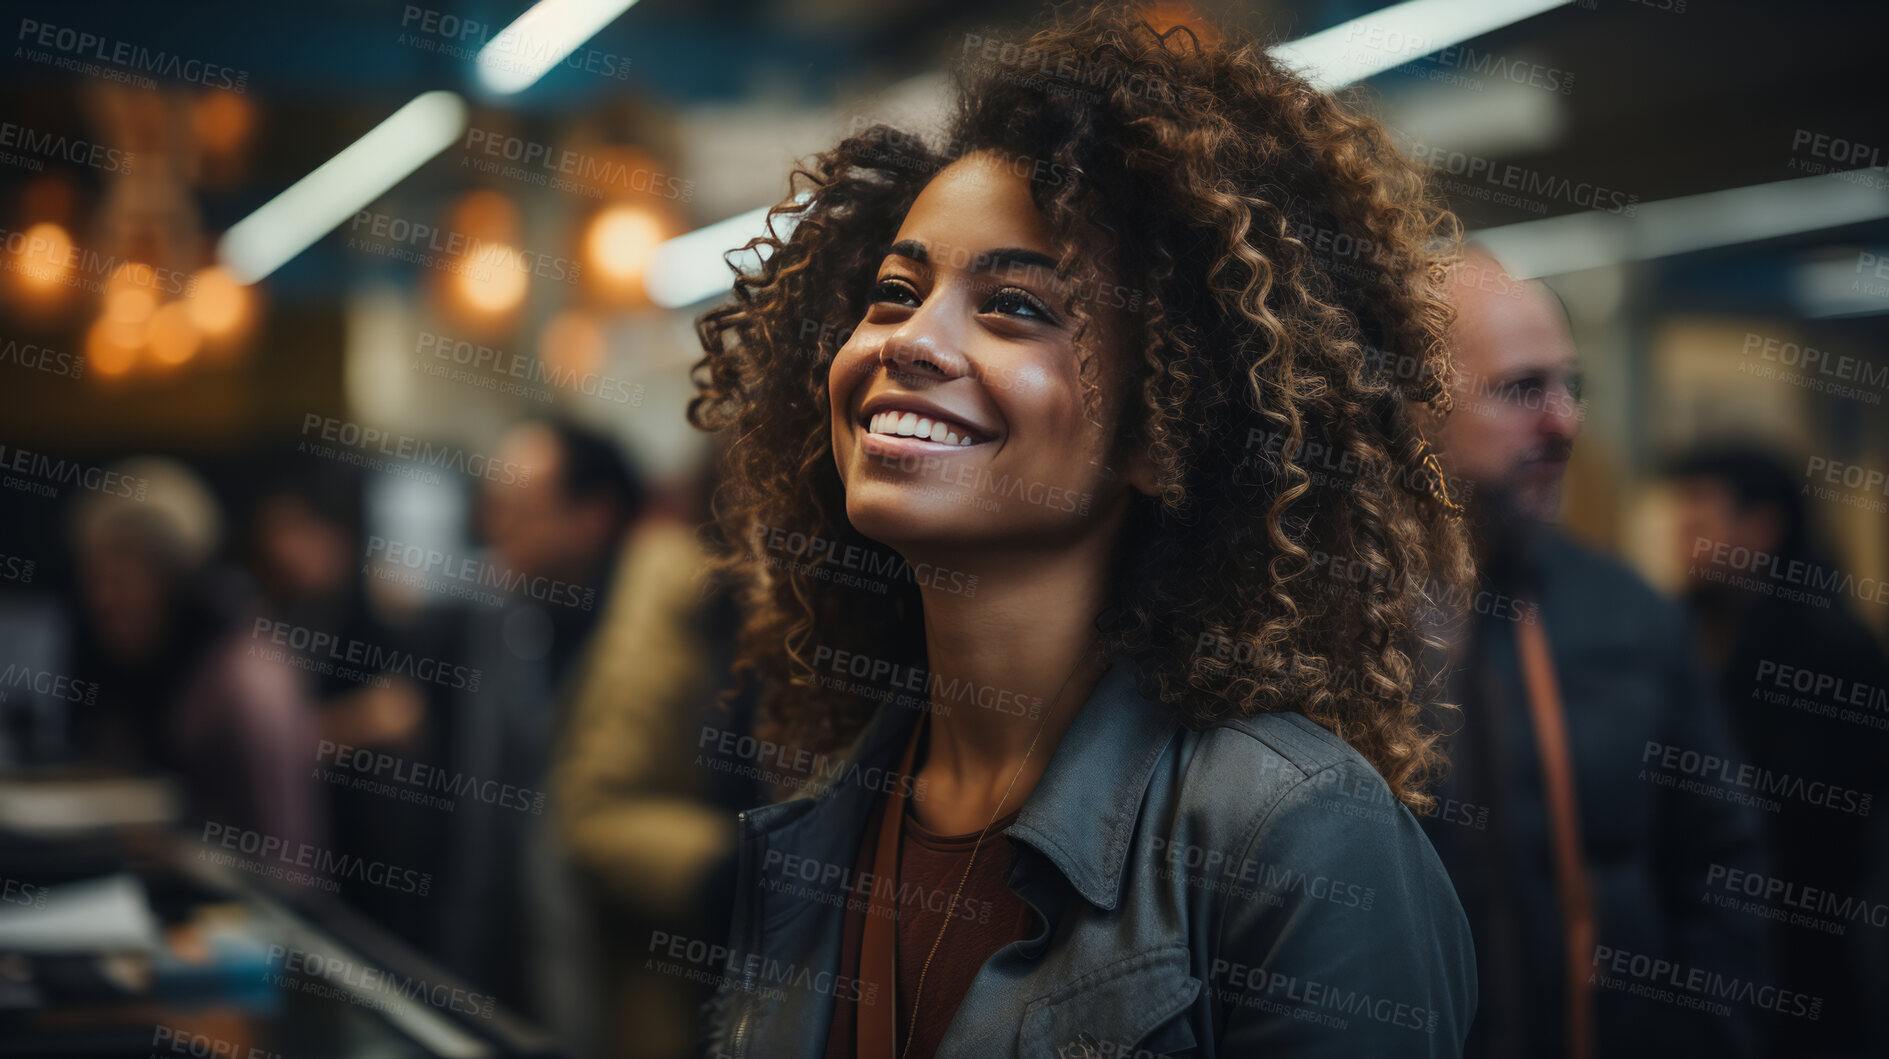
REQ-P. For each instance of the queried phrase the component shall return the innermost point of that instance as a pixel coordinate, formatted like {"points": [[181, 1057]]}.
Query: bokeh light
{"points": [[219, 306], [171, 335], [620, 242], [112, 346], [573, 341], [44, 265]]}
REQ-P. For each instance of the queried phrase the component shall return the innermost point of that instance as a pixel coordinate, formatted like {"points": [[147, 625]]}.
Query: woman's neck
{"points": [[1011, 667]]}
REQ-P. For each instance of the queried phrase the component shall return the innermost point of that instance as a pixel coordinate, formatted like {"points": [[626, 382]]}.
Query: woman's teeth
{"points": [[911, 425]]}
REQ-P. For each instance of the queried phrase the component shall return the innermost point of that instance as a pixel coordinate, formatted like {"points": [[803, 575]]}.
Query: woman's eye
{"points": [[1014, 302], [896, 291]]}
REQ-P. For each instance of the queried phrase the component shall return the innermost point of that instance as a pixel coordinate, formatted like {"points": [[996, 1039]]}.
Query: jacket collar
{"points": [[1081, 816]]}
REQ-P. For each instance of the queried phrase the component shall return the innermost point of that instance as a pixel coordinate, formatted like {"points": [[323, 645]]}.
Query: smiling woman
{"points": [[1099, 361]]}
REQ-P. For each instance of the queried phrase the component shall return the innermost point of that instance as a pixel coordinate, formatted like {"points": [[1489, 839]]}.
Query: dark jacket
{"points": [[1248, 890], [1661, 830]]}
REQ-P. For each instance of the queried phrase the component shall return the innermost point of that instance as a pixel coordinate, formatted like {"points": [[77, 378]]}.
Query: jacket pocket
{"points": [[1128, 1009]]}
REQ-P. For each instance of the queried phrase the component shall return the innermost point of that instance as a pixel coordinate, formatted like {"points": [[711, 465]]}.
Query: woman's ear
{"points": [[1133, 464], [1139, 470]]}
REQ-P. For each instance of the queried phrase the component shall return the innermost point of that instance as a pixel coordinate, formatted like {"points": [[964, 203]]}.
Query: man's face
{"points": [[535, 528], [1518, 393]]}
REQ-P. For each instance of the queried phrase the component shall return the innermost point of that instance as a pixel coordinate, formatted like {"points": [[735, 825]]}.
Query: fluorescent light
{"points": [[317, 204], [1383, 40], [1503, 119], [1842, 282], [1591, 239], [539, 39], [689, 268]]}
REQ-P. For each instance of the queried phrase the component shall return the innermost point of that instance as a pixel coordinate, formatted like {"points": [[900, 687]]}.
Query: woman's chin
{"points": [[897, 516]]}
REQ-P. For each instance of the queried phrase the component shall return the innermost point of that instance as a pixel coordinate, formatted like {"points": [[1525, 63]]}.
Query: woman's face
{"points": [[957, 403]]}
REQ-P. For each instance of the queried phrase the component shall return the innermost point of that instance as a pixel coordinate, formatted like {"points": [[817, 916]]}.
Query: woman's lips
{"points": [[893, 447]]}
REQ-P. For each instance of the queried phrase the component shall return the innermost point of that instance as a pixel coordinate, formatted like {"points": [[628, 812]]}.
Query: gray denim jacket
{"points": [[1249, 890]]}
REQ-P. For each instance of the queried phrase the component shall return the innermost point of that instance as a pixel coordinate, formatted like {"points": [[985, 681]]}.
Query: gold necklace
{"points": [[918, 994]]}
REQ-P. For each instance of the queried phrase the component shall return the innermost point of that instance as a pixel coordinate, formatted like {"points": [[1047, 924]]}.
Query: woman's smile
{"points": [[898, 426], [893, 424]]}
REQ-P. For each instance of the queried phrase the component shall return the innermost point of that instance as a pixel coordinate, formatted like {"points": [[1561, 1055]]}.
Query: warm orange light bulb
{"points": [[495, 283], [129, 304], [44, 258], [172, 337], [621, 241], [109, 349], [218, 304]]}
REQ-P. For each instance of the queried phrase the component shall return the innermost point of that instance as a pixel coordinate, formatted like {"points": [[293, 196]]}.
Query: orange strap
{"points": [[1557, 770]]}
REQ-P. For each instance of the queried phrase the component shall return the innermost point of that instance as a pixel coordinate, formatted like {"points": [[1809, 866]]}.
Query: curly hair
{"points": [[1288, 326]]}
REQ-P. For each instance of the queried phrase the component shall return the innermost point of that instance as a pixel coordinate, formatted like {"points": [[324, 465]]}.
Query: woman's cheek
{"points": [[851, 364], [842, 377]]}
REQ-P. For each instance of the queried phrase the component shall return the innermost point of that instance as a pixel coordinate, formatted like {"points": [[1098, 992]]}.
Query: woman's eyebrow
{"points": [[985, 261]]}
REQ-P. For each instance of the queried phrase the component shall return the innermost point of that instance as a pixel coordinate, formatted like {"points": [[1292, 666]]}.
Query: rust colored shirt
{"points": [[988, 917]]}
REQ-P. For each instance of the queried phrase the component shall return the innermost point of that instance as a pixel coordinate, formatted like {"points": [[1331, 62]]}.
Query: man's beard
{"points": [[1518, 498], [1509, 512]]}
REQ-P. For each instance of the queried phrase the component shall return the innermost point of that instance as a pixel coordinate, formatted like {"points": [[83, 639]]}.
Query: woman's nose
{"points": [[926, 346]]}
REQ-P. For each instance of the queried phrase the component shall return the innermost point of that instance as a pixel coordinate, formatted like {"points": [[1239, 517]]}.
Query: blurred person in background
{"points": [[306, 552], [649, 828], [1570, 668], [165, 633], [514, 917], [306, 546], [1801, 681]]}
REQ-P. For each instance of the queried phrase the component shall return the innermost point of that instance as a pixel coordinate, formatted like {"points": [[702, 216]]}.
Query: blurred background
{"points": [[343, 364]]}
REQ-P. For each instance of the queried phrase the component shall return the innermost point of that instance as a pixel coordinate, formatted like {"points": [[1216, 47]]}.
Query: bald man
{"points": [[1585, 835], [1518, 395]]}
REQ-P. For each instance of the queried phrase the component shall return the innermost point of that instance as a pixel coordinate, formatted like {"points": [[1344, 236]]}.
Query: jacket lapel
{"points": [[1082, 814], [792, 941]]}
